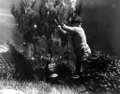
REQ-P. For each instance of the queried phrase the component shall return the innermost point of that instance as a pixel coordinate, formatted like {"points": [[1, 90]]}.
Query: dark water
{"points": [[102, 24], [101, 21]]}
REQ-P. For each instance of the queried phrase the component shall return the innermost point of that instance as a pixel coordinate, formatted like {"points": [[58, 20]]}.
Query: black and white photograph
{"points": [[59, 47]]}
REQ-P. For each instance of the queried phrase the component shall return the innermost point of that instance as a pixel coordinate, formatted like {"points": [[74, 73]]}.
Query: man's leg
{"points": [[77, 72]]}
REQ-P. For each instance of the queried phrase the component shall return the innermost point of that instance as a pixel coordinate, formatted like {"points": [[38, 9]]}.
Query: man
{"points": [[79, 41]]}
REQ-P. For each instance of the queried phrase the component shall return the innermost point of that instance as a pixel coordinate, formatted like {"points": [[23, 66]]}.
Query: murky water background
{"points": [[101, 21]]}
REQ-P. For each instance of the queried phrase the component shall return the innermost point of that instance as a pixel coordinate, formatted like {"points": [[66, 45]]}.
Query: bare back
{"points": [[78, 38]]}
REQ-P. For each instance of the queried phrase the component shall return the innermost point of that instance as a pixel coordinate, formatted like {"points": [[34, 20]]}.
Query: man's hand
{"points": [[61, 25], [60, 28]]}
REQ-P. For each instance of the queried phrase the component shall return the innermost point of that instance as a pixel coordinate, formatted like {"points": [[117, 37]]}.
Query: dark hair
{"points": [[74, 19]]}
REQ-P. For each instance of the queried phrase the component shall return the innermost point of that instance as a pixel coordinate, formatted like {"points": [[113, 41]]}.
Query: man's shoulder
{"points": [[79, 29]]}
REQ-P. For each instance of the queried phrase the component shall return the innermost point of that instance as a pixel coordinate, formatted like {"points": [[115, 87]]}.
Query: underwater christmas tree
{"points": [[39, 28]]}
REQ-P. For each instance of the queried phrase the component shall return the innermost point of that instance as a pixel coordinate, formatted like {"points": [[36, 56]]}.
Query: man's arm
{"points": [[69, 28]]}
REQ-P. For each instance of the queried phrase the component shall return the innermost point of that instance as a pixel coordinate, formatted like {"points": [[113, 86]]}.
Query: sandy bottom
{"points": [[11, 91]]}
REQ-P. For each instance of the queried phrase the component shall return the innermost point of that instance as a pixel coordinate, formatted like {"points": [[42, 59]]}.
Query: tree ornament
{"points": [[35, 26]]}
